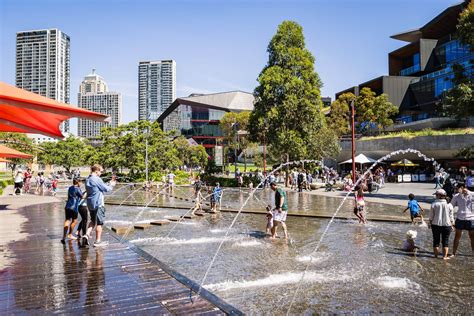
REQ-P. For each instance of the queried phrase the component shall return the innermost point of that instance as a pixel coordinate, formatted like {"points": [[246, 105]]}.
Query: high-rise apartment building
{"points": [[94, 96], [43, 66], [156, 88]]}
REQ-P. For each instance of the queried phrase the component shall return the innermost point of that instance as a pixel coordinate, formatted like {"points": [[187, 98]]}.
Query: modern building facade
{"points": [[94, 96], [43, 66], [156, 88], [422, 70], [198, 115]]}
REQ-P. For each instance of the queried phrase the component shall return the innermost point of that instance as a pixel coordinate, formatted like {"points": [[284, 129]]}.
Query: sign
{"points": [[414, 178], [218, 155], [407, 178], [422, 177], [399, 178]]}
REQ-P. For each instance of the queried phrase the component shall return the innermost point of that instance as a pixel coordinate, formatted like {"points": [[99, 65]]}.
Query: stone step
{"points": [[120, 230], [142, 226], [188, 216], [160, 222], [173, 219]]}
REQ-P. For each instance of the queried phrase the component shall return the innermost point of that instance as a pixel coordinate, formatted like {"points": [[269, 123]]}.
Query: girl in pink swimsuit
{"points": [[359, 208]]}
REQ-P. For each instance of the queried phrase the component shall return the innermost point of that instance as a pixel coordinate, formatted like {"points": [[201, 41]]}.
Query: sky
{"points": [[217, 45]]}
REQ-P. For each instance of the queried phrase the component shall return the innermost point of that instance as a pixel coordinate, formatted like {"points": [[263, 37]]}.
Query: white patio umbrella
{"points": [[360, 158]]}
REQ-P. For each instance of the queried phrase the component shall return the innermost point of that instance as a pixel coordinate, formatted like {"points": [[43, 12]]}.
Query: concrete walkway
{"points": [[393, 194]]}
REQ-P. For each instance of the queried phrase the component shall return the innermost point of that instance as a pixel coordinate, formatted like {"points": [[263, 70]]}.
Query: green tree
{"points": [[66, 153], [466, 153], [20, 142], [458, 101], [287, 100], [465, 27], [339, 117], [190, 155], [374, 109]]}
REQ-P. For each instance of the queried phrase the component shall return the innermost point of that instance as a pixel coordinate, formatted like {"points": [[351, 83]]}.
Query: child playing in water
{"points": [[198, 201], [269, 217], [415, 209], [54, 186], [359, 208], [212, 199], [409, 244]]}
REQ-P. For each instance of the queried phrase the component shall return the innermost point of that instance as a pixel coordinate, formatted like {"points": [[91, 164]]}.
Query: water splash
{"points": [[390, 282], [248, 243], [436, 165], [278, 280], [174, 241]]}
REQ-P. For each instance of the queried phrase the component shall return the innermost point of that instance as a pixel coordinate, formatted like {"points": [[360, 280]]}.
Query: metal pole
{"points": [[146, 156], [353, 143], [264, 154]]}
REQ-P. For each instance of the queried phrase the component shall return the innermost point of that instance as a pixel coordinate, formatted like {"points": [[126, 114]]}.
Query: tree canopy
{"points": [[66, 153], [465, 26], [287, 110]]}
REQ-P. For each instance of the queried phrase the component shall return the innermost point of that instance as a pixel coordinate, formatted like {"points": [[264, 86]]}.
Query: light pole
{"points": [[147, 132], [235, 126], [265, 147], [353, 143]]}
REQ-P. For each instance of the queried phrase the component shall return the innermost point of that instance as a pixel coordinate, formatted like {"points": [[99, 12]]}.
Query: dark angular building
{"points": [[419, 72]]}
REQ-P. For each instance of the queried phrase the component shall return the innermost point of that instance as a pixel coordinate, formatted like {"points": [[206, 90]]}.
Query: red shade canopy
{"points": [[26, 112], [7, 152], [4, 160]]}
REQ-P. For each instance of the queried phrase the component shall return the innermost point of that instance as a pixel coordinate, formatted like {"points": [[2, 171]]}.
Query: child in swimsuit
{"points": [[359, 209]]}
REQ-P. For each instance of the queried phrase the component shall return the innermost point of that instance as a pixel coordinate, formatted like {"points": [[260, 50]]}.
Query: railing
{"points": [[410, 70]]}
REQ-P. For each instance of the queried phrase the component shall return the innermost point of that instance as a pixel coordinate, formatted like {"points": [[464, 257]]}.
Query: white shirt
{"points": [[441, 213], [19, 177], [465, 204], [171, 178]]}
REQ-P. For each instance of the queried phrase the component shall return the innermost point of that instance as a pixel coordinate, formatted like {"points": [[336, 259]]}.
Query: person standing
{"points": [[171, 177], [95, 189], [27, 180], [74, 196], [281, 210], [18, 182], [464, 201], [442, 222]]}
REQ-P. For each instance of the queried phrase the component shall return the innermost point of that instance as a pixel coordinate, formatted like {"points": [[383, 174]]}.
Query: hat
{"points": [[440, 192], [412, 234], [273, 183]]}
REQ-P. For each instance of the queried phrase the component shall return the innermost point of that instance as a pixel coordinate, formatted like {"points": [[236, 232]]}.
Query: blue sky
{"points": [[217, 45]]}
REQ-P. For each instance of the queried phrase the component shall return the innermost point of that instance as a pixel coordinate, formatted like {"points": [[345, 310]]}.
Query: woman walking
{"points": [[442, 222]]}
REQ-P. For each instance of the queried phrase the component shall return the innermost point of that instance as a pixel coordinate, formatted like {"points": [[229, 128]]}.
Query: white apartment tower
{"points": [[156, 88], [94, 96], [43, 65]]}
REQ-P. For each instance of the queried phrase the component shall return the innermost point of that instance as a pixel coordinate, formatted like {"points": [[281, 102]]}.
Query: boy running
{"points": [[415, 208]]}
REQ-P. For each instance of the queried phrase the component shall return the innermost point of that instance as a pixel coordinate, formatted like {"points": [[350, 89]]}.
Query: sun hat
{"points": [[440, 192]]}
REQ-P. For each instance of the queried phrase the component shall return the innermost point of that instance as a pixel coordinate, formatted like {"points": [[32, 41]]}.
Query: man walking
{"points": [[95, 188], [280, 211], [465, 215]]}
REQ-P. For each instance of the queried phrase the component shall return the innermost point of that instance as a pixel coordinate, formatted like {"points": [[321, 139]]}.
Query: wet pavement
{"points": [[41, 275]]}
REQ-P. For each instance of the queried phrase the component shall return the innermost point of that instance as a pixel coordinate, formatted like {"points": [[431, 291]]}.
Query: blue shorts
{"points": [[464, 224], [98, 215], [415, 215]]}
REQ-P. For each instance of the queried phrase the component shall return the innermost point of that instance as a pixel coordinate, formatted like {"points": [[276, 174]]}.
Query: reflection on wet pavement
{"points": [[46, 276]]}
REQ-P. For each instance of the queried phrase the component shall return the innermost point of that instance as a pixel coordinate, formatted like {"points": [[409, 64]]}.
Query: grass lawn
{"points": [[425, 132]]}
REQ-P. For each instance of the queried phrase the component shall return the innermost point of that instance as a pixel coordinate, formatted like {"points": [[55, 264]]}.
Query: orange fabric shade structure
{"points": [[7, 152], [27, 112], [4, 160]]}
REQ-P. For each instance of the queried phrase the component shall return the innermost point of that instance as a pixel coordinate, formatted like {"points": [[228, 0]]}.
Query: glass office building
{"points": [[198, 115], [421, 71]]}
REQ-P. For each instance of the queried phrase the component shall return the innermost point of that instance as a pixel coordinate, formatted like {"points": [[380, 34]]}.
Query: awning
{"points": [[360, 158], [4, 160], [26, 112], [404, 163], [7, 152]]}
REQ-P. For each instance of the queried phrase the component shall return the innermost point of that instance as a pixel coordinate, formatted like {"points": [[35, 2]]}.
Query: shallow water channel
{"points": [[357, 269]]}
